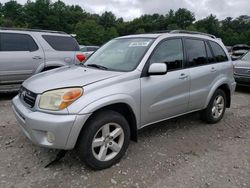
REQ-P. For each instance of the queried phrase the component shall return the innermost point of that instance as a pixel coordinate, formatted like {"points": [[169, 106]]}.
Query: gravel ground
{"points": [[183, 152]]}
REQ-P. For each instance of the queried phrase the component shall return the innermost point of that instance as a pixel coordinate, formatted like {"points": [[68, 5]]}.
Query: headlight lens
{"points": [[59, 99]]}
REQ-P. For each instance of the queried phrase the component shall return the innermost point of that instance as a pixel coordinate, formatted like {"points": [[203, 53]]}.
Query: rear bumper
{"points": [[63, 129]]}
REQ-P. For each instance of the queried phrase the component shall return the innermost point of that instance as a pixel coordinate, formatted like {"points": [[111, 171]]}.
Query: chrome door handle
{"points": [[183, 76]]}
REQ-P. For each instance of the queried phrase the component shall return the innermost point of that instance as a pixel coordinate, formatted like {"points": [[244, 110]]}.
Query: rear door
{"points": [[19, 57], [65, 49], [203, 72]]}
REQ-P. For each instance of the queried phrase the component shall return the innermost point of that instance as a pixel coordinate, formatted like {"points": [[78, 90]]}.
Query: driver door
{"points": [[165, 96]]}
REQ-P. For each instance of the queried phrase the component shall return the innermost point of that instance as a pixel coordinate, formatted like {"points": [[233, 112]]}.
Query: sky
{"points": [[130, 9]]}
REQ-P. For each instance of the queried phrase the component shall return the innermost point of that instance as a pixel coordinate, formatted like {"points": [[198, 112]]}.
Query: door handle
{"points": [[213, 69], [183, 76], [37, 57]]}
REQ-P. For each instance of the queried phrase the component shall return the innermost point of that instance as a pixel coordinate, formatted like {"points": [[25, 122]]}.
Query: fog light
{"points": [[50, 137]]}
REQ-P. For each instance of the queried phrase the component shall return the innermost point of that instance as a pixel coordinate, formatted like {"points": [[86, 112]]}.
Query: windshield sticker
{"points": [[136, 44]]}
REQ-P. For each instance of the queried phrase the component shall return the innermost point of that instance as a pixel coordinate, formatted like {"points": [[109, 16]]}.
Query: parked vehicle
{"points": [[129, 83], [229, 49], [239, 50], [242, 70], [25, 52], [88, 50]]}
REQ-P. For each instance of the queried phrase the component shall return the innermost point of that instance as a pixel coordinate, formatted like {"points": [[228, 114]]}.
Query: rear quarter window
{"points": [[62, 43], [219, 53]]}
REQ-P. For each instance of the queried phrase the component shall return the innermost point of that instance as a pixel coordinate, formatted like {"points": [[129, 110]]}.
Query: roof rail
{"points": [[193, 32], [32, 30]]}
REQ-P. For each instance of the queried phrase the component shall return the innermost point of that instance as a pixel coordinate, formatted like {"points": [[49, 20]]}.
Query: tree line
{"points": [[94, 29]]}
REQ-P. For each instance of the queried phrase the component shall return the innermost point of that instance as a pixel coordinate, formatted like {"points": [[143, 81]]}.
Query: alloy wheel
{"points": [[218, 106], [108, 142]]}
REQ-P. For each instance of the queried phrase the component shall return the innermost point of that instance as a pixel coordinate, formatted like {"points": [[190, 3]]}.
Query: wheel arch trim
{"points": [[216, 86]]}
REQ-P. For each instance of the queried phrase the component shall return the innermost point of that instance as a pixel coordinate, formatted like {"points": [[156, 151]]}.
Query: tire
{"points": [[99, 146], [216, 108]]}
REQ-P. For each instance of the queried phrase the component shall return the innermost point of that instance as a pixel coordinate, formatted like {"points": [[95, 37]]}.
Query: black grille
{"points": [[27, 96]]}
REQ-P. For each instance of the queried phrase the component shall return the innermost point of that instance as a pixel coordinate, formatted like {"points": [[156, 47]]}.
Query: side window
{"points": [[210, 56], [92, 49], [61, 43], [196, 52], [84, 49], [17, 42], [219, 53], [169, 52]]}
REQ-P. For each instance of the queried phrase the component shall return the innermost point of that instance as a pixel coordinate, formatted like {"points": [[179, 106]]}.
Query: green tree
{"points": [[110, 33], [13, 13], [36, 13], [107, 19], [209, 24], [184, 18], [90, 33], [97, 29], [140, 31]]}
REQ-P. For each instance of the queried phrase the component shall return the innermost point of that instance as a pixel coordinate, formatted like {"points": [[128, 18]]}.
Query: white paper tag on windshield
{"points": [[136, 44]]}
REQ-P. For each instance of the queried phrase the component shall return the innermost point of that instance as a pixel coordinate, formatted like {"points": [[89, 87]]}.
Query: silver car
{"points": [[242, 70], [129, 83], [88, 50], [25, 52]]}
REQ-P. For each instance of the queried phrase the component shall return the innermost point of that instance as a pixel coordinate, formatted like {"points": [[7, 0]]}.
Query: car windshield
{"points": [[246, 57], [120, 54]]}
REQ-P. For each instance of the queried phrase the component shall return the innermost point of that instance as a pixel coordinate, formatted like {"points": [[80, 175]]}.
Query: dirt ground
{"points": [[183, 152]]}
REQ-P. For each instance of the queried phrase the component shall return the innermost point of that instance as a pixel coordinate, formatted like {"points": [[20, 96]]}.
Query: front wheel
{"points": [[216, 107], [104, 140]]}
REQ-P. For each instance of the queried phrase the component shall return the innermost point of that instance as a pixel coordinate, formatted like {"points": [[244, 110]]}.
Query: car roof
{"points": [[174, 33], [34, 31]]}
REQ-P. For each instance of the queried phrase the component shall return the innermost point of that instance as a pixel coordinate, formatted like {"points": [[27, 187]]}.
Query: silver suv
{"points": [[25, 52], [129, 83]]}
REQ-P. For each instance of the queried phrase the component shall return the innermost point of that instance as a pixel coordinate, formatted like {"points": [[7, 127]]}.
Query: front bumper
{"points": [[242, 80], [36, 126]]}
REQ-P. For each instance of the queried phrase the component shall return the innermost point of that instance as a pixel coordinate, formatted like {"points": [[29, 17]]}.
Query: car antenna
{"points": [[59, 156]]}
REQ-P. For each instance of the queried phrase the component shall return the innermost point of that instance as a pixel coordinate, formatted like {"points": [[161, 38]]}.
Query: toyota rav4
{"points": [[129, 83]]}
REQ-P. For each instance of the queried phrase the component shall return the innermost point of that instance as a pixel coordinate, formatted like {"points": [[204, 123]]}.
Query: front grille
{"points": [[242, 71], [27, 96]]}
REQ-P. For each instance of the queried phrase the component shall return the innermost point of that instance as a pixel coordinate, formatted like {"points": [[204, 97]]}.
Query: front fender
{"points": [[87, 111], [113, 99]]}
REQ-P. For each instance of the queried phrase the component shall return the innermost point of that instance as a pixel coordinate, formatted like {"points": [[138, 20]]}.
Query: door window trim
{"points": [[37, 47], [204, 42], [147, 64]]}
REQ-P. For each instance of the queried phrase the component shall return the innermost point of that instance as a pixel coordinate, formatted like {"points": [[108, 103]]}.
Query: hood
{"points": [[243, 64], [68, 76]]}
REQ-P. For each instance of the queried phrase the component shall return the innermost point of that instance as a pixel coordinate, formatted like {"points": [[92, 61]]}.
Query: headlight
{"points": [[59, 99]]}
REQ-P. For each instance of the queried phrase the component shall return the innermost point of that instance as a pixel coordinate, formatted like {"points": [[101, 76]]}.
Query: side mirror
{"points": [[157, 69]]}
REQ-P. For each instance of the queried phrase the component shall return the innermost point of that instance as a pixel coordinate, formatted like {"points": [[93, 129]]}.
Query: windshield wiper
{"points": [[97, 66]]}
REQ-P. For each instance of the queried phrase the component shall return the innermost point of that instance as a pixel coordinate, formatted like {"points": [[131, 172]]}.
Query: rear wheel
{"points": [[216, 107], [104, 140]]}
